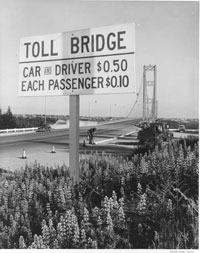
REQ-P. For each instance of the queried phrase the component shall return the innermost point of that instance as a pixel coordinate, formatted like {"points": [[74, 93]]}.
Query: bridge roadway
{"points": [[38, 145]]}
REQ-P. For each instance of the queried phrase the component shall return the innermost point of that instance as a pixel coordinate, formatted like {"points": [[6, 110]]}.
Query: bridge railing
{"points": [[16, 130]]}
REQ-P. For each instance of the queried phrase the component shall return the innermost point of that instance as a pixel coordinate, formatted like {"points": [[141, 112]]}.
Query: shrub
{"points": [[146, 201]]}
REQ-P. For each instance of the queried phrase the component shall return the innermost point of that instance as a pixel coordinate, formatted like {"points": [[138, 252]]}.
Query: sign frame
{"points": [[104, 63]]}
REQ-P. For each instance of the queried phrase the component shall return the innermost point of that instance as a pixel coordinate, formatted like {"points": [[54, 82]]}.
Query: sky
{"points": [[166, 35]]}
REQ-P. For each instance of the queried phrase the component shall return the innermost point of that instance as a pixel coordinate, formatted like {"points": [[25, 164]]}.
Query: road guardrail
{"points": [[16, 130]]}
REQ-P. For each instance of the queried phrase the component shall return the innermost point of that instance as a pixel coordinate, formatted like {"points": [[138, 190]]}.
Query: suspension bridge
{"points": [[146, 103]]}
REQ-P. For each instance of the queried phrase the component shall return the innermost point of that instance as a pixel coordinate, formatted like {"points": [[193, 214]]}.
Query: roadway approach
{"points": [[114, 137]]}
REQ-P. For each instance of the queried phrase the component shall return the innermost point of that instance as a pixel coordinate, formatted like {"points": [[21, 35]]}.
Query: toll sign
{"points": [[91, 61]]}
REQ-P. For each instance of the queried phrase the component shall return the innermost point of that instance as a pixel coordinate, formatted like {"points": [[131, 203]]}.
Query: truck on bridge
{"points": [[154, 133]]}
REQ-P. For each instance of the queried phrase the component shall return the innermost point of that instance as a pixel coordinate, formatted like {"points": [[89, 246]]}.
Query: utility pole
{"points": [[45, 120], [89, 107]]}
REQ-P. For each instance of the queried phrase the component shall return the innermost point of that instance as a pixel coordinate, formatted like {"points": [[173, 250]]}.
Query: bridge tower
{"points": [[150, 104]]}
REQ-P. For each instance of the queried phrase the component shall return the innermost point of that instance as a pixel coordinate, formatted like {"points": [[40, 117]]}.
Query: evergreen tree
{"points": [[7, 120]]}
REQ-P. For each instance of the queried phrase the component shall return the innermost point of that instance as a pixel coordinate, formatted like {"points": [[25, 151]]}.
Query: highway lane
{"points": [[107, 130], [38, 145]]}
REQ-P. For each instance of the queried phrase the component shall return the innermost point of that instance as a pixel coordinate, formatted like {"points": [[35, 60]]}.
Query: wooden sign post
{"points": [[74, 137]]}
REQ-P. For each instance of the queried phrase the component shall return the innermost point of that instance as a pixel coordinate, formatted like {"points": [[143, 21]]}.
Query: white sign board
{"points": [[90, 61]]}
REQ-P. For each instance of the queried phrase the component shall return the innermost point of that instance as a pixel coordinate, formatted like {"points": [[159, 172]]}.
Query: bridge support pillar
{"points": [[150, 104]]}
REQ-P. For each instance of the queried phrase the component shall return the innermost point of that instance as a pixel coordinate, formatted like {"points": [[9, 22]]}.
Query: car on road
{"points": [[181, 128], [44, 128]]}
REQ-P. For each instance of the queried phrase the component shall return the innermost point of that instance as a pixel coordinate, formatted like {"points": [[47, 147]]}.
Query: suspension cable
{"points": [[136, 99]]}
